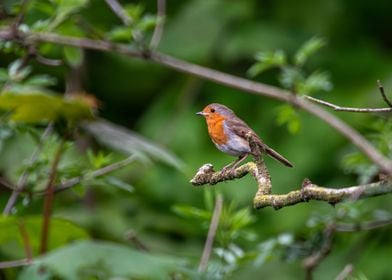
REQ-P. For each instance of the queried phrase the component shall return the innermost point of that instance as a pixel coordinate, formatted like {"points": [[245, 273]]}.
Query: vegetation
{"points": [[99, 139]]}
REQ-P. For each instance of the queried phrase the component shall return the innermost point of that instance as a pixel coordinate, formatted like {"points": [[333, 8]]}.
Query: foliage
{"points": [[146, 221]]}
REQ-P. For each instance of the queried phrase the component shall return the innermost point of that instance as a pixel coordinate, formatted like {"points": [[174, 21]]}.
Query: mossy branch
{"points": [[308, 190]]}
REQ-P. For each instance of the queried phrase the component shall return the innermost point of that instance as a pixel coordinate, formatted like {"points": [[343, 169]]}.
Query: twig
{"points": [[384, 96], [119, 11], [7, 184], [26, 240], [345, 227], [311, 262], [222, 78], [19, 18], [94, 174], [308, 191], [211, 233], [47, 61], [49, 198], [346, 272], [348, 109], [132, 237], [116, 7], [21, 185], [17, 263], [158, 31]]}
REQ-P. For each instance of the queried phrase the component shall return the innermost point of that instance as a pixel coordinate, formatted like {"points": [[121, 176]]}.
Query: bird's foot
{"points": [[228, 171]]}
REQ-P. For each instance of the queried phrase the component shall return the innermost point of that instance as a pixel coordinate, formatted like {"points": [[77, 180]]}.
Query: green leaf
{"points": [[99, 159], [64, 8], [3, 75], [87, 260], [267, 60], [307, 49], [121, 34], [317, 81], [290, 77], [115, 182], [41, 107], [40, 81], [128, 142], [73, 56], [148, 22], [16, 73], [11, 241], [289, 117], [187, 211]]}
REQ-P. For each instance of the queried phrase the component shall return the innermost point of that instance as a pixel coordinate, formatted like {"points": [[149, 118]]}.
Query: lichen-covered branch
{"points": [[308, 191]]}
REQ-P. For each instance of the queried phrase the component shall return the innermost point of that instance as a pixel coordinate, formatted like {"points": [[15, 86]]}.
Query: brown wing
{"points": [[240, 128]]}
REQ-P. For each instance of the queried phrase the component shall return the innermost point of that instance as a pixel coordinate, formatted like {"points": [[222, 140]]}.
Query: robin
{"points": [[227, 132]]}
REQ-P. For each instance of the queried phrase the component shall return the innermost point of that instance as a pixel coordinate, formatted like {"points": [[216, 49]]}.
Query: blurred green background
{"points": [[160, 104]]}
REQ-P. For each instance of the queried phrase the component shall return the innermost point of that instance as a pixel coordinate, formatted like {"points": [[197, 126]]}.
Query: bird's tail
{"points": [[277, 156]]}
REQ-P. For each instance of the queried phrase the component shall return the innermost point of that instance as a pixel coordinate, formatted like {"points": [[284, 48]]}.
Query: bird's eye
{"points": [[212, 110]]}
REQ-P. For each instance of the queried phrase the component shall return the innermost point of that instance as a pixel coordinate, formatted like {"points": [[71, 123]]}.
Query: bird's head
{"points": [[215, 110]]}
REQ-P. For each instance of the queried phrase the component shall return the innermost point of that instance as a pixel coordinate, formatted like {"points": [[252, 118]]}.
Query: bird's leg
{"points": [[234, 164]]}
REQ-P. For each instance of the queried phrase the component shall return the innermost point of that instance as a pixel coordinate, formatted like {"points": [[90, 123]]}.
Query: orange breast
{"points": [[216, 130]]}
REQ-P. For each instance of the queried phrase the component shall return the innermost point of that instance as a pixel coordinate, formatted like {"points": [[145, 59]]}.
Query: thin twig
{"points": [[222, 78], [47, 212], [211, 233], [158, 31], [348, 109], [119, 11], [17, 263], [94, 174], [19, 18], [116, 7], [21, 185], [131, 236], [7, 184], [384, 96], [346, 272], [26, 240], [345, 227], [311, 262]]}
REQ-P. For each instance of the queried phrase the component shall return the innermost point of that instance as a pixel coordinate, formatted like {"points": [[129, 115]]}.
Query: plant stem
{"points": [[47, 211]]}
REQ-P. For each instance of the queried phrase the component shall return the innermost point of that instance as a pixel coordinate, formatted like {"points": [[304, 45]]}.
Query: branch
{"points": [[308, 191], [26, 173], [116, 7], [346, 227], [48, 203], [17, 263], [346, 272], [348, 109], [119, 11], [384, 96], [158, 31], [26, 240], [222, 78], [211, 234], [311, 262], [94, 174]]}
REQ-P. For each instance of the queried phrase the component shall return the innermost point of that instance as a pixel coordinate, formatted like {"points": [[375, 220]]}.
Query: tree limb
{"points": [[308, 191], [232, 81]]}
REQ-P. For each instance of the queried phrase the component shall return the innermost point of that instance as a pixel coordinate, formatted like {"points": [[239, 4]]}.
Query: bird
{"points": [[228, 133]]}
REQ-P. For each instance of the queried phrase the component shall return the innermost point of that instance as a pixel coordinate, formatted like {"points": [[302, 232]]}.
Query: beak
{"points": [[201, 113]]}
